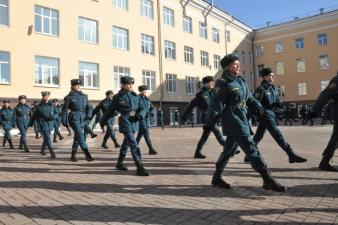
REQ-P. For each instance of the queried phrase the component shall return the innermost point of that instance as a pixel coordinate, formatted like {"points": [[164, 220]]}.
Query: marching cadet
{"points": [[126, 102], [160, 117], [329, 94], [76, 103], [176, 118], [23, 115], [103, 106], [202, 101], [57, 122], [147, 108], [98, 117], [232, 101], [44, 114], [7, 119], [267, 95]]}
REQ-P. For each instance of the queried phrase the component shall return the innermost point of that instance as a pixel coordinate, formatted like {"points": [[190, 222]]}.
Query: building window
{"points": [[204, 59], [171, 83], [188, 55], [121, 4], [187, 24], [169, 50], [88, 74], [280, 68], [243, 60], [147, 44], [46, 71], [322, 39], [119, 72], [324, 84], [324, 62], [4, 13], [4, 68], [215, 35], [147, 9], [301, 65], [190, 85], [302, 89], [46, 21], [168, 16], [217, 60], [227, 35], [149, 79], [299, 42], [259, 50], [279, 47], [120, 38], [203, 30], [88, 30], [251, 57]]}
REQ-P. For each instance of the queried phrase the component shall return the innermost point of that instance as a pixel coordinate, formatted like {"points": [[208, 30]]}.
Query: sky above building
{"points": [[256, 13]]}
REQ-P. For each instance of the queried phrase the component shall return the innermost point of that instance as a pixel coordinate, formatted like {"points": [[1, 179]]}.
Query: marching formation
{"points": [[227, 101]]}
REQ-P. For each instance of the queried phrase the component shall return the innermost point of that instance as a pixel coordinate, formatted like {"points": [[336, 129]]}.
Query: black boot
{"points": [[4, 142], [21, 145], [293, 158], [52, 153], [42, 152], [10, 144], [54, 140], [198, 154], [246, 159], [117, 145], [152, 151], [325, 165], [120, 165], [141, 171], [92, 135], [25, 147], [73, 157], [61, 138], [89, 158], [271, 184], [217, 180]]}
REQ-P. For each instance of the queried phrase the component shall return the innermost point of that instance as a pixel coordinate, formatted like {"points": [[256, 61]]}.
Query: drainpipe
{"points": [[253, 58], [226, 42], [159, 29]]}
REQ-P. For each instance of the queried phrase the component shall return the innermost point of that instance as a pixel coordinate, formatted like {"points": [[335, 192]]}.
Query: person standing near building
{"points": [[288, 116], [45, 117], [176, 118], [7, 120], [103, 106], [160, 117], [128, 104], [147, 108], [23, 115], [202, 101], [57, 121], [329, 94], [232, 101], [76, 103], [303, 114], [267, 95]]}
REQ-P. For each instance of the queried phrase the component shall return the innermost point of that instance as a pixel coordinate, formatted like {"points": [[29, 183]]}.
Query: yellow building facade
{"points": [[168, 45], [303, 54]]}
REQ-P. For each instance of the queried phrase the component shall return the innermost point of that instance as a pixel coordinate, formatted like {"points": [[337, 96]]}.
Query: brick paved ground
{"points": [[37, 190]]}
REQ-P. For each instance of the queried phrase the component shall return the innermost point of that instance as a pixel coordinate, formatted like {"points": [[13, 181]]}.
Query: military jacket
{"points": [[146, 106], [75, 103], [7, 118], [103, 106], [232, 100], [44, 114], [128, 105], [267, 95], [23, 114]]}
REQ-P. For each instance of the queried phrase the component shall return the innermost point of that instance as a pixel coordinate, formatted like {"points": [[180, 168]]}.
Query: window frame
{"points": [[124, 38], [49, 19], [43, 68], [91, 74], [8, 63], [92, 31]]}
